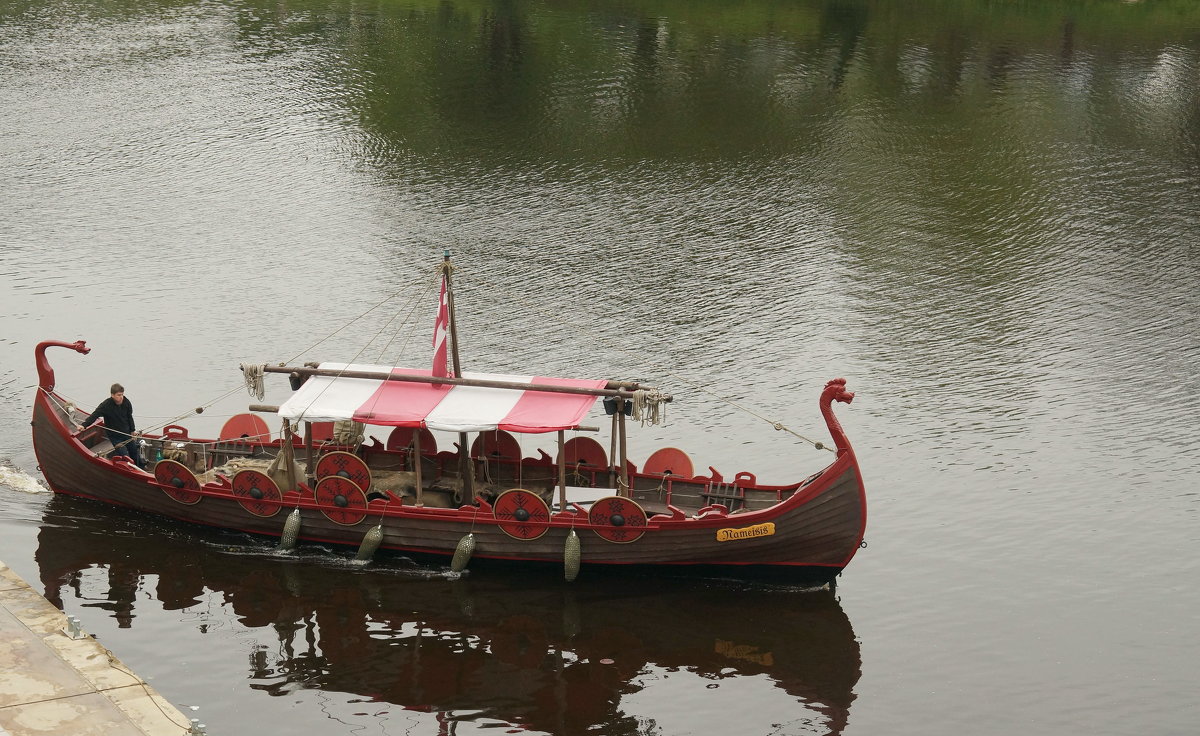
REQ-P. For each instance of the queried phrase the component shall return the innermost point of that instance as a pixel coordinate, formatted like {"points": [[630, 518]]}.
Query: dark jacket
{"points": [[116, 417]]}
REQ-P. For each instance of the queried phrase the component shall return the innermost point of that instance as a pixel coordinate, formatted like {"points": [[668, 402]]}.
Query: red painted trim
{"points": [[219, 490]]}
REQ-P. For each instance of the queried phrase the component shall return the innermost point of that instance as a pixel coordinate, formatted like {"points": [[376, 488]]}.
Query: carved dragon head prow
{"points": [[45, 372], [835, 390]]}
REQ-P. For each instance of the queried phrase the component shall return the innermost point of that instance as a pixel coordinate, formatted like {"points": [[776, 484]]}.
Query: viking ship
{"points": [[583, 508]]}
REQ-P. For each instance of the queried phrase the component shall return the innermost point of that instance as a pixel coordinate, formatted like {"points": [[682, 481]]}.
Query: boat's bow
{"points": [[835, 390], [45, 372]]}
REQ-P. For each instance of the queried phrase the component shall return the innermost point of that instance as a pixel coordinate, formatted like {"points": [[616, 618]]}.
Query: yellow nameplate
{"points": [[749, 532]]}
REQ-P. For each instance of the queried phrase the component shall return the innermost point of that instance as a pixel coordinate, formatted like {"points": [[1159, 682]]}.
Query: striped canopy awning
{"points": [[443, 407]]}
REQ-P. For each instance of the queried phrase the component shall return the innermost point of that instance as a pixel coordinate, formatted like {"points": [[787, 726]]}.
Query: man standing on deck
{"points": [[117, 412]]}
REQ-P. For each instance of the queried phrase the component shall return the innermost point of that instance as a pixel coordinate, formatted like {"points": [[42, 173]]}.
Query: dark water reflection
{"points": [[543, 657]]}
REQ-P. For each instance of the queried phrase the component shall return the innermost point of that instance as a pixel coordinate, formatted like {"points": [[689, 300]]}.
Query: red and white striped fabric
{"points": [[441, 328], [449, 408]]}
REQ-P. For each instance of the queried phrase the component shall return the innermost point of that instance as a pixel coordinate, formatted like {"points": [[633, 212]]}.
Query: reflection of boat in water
{"points": [[499, 646]]}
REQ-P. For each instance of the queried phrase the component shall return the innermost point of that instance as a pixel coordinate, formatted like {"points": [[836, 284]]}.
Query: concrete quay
{"points": [[53, 683]]}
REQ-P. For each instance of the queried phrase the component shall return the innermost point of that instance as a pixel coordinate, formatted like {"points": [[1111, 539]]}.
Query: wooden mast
{"points": [[623, 489], [613, 462], [466, 468], [415, 448]]}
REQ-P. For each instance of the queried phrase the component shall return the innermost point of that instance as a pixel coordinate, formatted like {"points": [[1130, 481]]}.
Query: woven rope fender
{"points": [[572, 556], [462, 553], [291, 531], [370, 543]]}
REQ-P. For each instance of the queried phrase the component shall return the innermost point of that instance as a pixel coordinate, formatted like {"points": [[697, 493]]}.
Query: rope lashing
{"points": [[70, 406], [577, 477], [781, 427], [649, 406], [259, 390], [255, 384]]}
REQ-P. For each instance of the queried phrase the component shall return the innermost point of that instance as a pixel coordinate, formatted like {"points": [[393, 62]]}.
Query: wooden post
{"points": [[466, 465], [612, 453], [289, 455], [624, 450], [417, 465], [310, 466], [562, 470]]}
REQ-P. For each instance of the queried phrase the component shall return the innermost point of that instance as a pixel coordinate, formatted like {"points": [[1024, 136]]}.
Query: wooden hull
{"points": [[806, 539]]}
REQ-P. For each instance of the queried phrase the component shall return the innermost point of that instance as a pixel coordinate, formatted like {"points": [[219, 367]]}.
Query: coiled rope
{"points": [[255, 384], [649, 406]]}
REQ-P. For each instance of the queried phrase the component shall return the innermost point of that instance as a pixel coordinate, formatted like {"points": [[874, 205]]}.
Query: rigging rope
{"points": [[71, 405], [417, 299], [779, 426], [648, 405], [200, 409], [351, 361]]}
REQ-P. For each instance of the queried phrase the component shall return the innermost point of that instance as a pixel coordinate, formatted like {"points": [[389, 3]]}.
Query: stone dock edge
{"points": [[53, 683]]}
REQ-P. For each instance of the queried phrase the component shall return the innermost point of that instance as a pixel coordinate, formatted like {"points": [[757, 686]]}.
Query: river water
{"points": [[985, 215]]}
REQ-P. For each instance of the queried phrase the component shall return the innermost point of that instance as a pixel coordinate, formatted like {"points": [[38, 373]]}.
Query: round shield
{"points": [[617, 519], [495, 444], [257, 493], [585, 451], [669, 461], [177, 481], [344, 465], [522, 514], [341, 500]]}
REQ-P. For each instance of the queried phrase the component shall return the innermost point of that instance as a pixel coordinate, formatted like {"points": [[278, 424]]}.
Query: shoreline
{"points": [[57, 682]]}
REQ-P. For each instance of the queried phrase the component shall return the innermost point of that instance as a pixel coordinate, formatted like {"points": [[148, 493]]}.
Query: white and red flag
{"points": [[441, 329]]}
